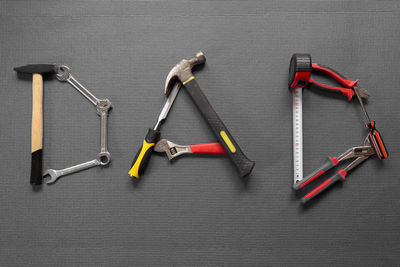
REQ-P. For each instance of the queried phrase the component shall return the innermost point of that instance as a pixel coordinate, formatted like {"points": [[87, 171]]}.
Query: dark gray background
{"points": [[197, 211]]}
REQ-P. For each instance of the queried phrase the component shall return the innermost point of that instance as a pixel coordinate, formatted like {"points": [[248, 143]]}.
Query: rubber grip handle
{"points": [[209, 148], [349, 93], [339, 176], [328, 164], [143, 155], [376, 140], [242, 163], [335, 75], [36, 167]]}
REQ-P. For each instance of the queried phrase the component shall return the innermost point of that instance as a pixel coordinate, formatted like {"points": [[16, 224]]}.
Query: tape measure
{"points": [[299, 76]]}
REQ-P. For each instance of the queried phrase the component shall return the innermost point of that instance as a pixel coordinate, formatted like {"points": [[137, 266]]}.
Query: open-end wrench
{"points": [[55, 174], [103, 107], [64, 75]]}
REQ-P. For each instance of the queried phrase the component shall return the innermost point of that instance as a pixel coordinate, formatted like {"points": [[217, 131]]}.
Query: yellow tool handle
{"points": [[143, 156]]}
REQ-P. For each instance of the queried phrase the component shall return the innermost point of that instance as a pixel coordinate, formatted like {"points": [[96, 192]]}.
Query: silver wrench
{"points": [[103, 107], [55, 174], [64, 75]]}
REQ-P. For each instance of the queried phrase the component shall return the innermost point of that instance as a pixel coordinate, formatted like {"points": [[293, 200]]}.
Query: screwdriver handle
{"points": [[339, 176], [328, 164], [209, 148], [143, 155], [376, 140]]}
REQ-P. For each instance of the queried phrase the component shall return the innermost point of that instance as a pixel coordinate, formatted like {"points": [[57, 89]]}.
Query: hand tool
{"points": [[299, 75], [142, 157], [361, 153], [182, 72], [374, 136], [37, 70], [103, 106], [173, 150], [300, 70]]}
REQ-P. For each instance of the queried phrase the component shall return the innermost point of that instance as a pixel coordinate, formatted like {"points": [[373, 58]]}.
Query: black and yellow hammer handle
{"points": [[142, 158], [243, 164]]}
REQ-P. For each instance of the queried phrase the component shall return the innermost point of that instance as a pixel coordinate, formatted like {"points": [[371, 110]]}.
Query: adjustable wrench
{"points": [[174, 150], [103, 107]]}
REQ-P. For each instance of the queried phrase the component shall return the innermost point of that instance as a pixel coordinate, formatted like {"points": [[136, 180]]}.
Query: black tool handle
{"points": [[339, 176], [328, 164], [143, 155], [243, 164], [36, 167]]}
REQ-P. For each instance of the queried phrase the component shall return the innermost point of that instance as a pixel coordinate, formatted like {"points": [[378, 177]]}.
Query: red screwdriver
{"points": [[374, 136]]}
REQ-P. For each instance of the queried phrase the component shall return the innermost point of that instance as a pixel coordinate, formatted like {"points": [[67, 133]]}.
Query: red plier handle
{"points": [[208, 148], [348, 84]]}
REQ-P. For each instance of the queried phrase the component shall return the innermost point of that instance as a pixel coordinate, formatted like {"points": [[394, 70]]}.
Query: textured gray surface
{"points": [[196, 211]]}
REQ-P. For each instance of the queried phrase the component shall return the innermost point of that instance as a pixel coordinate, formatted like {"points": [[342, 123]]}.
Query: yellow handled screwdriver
{"points": [[142, 158]]}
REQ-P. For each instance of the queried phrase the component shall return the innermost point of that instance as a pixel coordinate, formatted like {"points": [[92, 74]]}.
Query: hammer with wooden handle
{"points": [[37, 70]]}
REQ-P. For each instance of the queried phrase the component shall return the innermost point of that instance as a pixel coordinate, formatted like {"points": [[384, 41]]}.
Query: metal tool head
{"points": [[37, 68], [163, 145], [54, 175], [363, 93], [63, 73], [183, 71], [171, 149]]}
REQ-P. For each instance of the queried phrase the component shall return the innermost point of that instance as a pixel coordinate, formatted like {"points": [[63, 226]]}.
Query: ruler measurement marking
{"points": [[297, 135]]}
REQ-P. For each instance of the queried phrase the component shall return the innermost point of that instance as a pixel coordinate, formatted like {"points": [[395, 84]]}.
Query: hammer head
{"points": [[37, 68], [182, 71]]}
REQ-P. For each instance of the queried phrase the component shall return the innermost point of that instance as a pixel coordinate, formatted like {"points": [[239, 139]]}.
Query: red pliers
{"points": [[300, 77], [361, 153]]}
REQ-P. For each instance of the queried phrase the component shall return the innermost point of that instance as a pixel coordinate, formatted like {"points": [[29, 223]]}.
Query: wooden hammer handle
{"points": [[37, 129]]}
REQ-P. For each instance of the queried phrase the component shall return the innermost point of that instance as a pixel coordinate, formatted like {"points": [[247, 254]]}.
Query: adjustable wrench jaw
{"points": [[361, 153], [171, 149]]}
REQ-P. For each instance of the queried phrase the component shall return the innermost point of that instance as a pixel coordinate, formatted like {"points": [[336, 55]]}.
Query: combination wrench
{"points": [[103, 106]]}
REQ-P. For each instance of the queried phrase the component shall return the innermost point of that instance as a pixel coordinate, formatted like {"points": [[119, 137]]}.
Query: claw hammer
{"points": [[182, 72]]}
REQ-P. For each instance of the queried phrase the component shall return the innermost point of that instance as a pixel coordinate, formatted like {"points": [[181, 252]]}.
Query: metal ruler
{"points": [[297, 135]]}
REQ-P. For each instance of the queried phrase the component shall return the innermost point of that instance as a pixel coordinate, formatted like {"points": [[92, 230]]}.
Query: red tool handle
{"points": [[348, 91], [328, 164], [339, 176], [377, 141], [335, 75], [209, 148]]}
